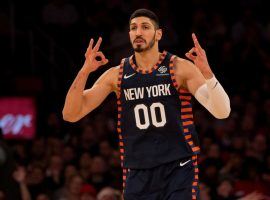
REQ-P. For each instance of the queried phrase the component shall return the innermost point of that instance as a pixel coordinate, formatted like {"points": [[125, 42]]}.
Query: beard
{"points": [[139, 48]]}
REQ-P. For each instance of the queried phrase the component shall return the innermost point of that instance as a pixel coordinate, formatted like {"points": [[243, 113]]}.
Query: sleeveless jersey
{"points": [[155, 121]]}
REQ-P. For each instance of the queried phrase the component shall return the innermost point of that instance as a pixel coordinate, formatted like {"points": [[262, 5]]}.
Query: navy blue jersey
{"points": [[155, 121]]}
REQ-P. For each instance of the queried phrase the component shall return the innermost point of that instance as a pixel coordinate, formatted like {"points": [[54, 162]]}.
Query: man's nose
{"points": [[139, 31]]}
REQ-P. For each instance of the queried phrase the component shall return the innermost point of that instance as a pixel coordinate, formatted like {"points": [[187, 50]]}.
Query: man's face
{"points": [[143, 34]]}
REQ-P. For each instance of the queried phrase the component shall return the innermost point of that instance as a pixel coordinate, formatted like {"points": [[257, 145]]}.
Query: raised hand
{"points": [[19, 175], [91, 63], [200, 58]]}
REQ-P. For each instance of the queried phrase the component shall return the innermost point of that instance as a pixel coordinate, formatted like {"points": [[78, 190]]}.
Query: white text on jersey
{"points": [[150, 91]]}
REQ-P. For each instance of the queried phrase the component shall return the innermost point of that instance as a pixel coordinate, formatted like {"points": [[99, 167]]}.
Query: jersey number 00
{"points": [[144, 109]]}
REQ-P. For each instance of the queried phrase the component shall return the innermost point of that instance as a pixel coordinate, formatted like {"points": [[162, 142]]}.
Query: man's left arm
{"points": [[202, 83]]}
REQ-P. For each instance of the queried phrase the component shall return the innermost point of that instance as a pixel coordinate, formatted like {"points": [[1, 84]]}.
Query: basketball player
{"points": [[158, 141]]}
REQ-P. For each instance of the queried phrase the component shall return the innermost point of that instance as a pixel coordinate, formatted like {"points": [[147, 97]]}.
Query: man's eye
{"points": [[145, 27], [133, 28]]}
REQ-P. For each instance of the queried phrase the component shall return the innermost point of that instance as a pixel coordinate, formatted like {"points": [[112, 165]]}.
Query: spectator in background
{"points": [[100, 175], [85, 163], [224, 190], [88, 140], [68, 155], [43, 196], [36, 180], [109, 193], [9, 188], [53, 172], [71, 190], [204, 191], [88, 192], [38, 151], [20, 176], [105, 149]]}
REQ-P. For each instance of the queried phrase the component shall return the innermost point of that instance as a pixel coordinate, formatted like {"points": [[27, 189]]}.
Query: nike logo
{"points": [[184, 163], [128, 76]]}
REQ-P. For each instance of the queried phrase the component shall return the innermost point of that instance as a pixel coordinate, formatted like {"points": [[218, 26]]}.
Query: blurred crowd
{"points": [[42, 49]]}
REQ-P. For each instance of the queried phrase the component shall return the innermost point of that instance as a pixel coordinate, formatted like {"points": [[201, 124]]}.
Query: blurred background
{"points": [[42, 46]]}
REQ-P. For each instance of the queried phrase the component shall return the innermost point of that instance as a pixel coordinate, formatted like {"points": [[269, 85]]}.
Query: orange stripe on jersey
{"points": [[186, 116], [188, 137], [172, 71], [195, 149], [195, 183], [186, 109], [119, 80], [190, 143], [121, 150], [186, 130], [185, 103], [185, 97], [187, 123]]}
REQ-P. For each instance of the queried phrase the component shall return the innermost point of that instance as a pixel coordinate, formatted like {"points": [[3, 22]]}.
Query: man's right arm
{"points": [[79, 101]]}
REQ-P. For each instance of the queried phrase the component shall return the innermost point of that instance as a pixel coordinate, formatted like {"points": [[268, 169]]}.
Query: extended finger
{"points": [[96, 48], [200, 50], [196, 42], [90, 46]]}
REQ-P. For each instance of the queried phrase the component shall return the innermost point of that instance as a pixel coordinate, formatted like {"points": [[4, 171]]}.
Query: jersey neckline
{"points": [[136, 68]]}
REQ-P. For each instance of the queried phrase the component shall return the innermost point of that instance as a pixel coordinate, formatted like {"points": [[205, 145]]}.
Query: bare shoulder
{"points": [[112, 75], [113, 70], [183, 66], [184, 70]]}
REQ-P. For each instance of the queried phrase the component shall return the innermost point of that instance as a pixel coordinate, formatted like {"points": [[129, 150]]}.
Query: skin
{"points": [[144, 37]]}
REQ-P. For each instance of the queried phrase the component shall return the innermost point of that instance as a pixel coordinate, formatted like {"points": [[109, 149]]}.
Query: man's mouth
{"points": [[139, 41]]}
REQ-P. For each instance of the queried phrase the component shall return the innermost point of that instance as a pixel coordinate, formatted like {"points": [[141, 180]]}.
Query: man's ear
{"points": [[158, 34]]}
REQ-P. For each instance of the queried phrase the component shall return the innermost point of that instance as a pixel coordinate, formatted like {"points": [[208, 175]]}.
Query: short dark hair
{"points": [[145, 13]]}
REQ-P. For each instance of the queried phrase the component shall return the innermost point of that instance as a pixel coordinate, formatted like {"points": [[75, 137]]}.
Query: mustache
{"points": [[140, 39]]}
